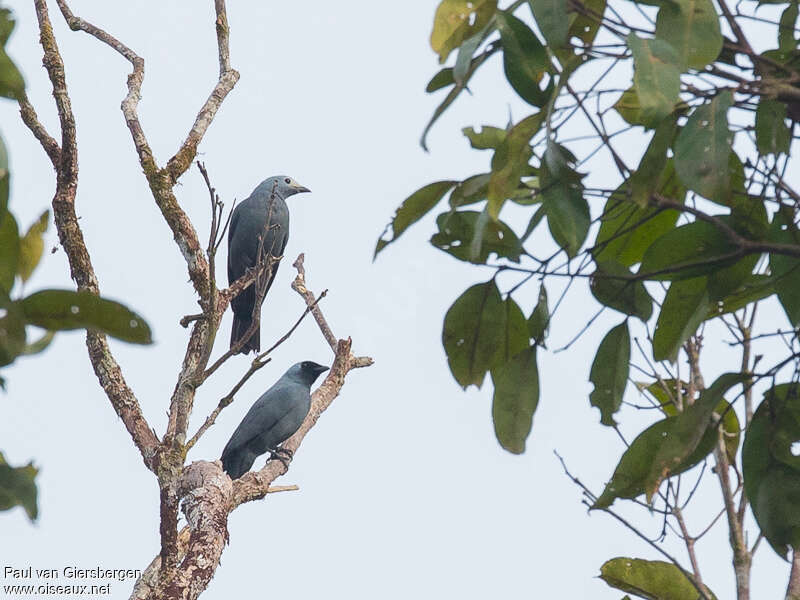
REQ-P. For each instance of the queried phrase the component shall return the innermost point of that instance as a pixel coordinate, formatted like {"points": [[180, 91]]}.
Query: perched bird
{"points": [[263, 214], [274, 417]]}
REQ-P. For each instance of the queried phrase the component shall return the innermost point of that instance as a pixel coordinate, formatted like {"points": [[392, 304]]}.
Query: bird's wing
{"points": [[231, 233], [268, 410]]}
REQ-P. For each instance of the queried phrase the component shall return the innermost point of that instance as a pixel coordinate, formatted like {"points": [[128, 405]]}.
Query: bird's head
{"points": [[306, 371], [283, 186]]}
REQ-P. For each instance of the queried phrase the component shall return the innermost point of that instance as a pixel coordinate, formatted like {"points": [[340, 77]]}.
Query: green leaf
{"points": [[587, 19], [610, 372], [533, 223], [12, 330], [726, 280], [691, 27], [510, 162], [4, 180], [612, 284], [12, 85], [771, 471], [457, 230], [487, 138], [786, 39], [467, 50], [655, 172], [629, 108], [471, 190], [685, 306], [627, 229], [18, 488], [524, 59], [39, 345], [687, 251], [58, 310], [452, 94], [703, 148], [416, 206], [539, 321], [473, 333], [7, 25], [441, 80], [753, 289], [516, 395], [664, 449], [527, 193], [653, 579], [786, 269], [562, 198], [773, 136], [551, 17], [9, 252], [31, 247], [748, 213], [515, 334], [677, 397], [457, 20], [656, 78]]}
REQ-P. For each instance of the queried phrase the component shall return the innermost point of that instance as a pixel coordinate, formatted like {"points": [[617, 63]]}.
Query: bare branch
{"points": [[254, 485], [258, 362], [209, 496], [178, 164], [793, 591], [299, 286], [31, 119], [698, 586], [65, 161], [689, 541]]}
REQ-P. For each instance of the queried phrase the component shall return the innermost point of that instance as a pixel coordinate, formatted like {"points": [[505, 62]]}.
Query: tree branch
{"points": [[209, 496], [178, 164], [65, 161], [793, 590]]}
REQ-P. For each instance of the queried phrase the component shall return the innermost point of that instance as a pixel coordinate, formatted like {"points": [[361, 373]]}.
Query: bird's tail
{"points": [[240, 326], [238, 462]]}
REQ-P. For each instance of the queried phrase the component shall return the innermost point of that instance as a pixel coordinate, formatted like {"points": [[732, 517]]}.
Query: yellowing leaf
{"points": [[31, 246], [457, 20]]}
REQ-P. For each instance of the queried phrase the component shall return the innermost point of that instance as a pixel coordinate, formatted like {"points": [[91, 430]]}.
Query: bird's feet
{"points": [[282, 454]]}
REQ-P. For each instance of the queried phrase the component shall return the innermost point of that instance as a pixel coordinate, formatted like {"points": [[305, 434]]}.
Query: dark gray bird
{"points": [[274, 417], [265, 214]]}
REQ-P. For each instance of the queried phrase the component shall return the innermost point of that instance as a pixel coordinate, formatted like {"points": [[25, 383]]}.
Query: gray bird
{"points": [[274, 417], [265, 214]]}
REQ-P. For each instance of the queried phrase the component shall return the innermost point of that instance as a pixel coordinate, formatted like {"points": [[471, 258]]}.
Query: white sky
{"points": [[404, 490]]}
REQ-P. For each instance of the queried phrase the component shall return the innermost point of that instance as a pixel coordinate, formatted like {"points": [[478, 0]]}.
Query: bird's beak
{"points": [[299, 189], [320, 369]]}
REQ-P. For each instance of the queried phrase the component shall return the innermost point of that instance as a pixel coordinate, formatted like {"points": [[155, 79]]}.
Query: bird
{"points": [[263, 214], [272, 419]]}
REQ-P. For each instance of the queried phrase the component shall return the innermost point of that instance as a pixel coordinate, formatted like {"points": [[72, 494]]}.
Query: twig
{"points": [[258, 362], [592, 497], [299, 285]]}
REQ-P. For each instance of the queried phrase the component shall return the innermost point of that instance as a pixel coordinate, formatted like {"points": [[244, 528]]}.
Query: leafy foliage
{"points": [[666, 448], [694, 222], [772, 470]]}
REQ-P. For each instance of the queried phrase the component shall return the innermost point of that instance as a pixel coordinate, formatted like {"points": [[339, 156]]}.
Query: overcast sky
{"points": [[404, 491]]}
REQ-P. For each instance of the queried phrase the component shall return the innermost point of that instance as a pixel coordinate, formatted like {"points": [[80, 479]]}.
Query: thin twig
{"points": [[258, 362]]}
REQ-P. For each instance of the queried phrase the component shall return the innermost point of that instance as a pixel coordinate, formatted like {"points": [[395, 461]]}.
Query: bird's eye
{"points": [[287, 180]]}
